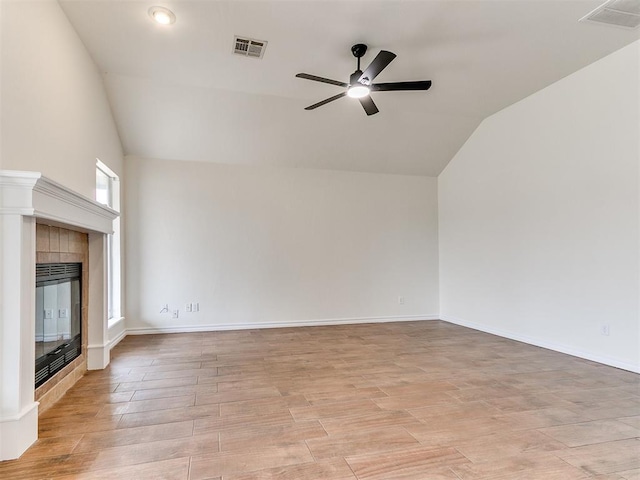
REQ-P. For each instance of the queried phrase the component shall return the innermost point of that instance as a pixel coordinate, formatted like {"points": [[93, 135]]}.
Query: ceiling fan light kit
{"points": [[360, 85], [358, 91]]}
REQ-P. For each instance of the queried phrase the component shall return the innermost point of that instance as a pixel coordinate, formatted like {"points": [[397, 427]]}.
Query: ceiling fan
{"points": [[360, 85]]}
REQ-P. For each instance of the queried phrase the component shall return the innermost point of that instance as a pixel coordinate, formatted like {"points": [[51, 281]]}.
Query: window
{"points": [[104, 186], [108, 193]]}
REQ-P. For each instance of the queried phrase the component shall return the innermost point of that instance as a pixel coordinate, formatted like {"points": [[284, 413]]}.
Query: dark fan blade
{"points": [[306, 76], [324, 102], [368, 105], [379, 63], [397, 86]]}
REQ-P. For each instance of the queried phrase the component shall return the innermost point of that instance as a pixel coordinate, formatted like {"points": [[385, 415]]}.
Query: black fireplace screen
{"points": [[58, 317]]}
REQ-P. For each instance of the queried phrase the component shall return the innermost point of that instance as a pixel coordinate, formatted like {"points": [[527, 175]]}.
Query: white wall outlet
{"points": [[63, 313], [604, 329], [188, 308], [401, 300], [195, 307], [48, 313], [176, 314]]}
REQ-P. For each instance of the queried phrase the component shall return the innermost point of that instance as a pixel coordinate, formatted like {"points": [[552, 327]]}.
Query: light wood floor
{"points": [[421, 400]]}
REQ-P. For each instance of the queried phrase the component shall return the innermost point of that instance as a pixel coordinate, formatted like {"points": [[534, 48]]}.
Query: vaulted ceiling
{"points": [[178, 92]]}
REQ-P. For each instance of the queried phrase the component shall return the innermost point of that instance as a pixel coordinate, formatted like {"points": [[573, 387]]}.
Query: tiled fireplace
{"points": [[44, 222], [61, 255]]}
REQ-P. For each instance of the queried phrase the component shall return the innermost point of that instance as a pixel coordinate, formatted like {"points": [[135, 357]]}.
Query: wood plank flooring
{"points": [[416, 400]]}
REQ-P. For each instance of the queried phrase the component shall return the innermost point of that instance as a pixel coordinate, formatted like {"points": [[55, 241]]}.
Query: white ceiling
{"points": [[178, 92]]}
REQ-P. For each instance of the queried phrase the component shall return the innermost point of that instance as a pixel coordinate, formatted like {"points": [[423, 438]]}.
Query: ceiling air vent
{"points": [[621, 13], [249, 47]]}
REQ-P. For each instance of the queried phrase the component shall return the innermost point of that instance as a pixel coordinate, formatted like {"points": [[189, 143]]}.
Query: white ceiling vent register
{"points": [[249, 47], [621, 13]]}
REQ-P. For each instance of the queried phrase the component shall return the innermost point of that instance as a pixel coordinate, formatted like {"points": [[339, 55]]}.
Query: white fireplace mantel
{"points": [[27, 198], [31, 194]]}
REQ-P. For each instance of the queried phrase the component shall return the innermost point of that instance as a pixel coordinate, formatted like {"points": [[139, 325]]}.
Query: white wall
{"points": [[273, 246], [539, 215], [55, 117]]}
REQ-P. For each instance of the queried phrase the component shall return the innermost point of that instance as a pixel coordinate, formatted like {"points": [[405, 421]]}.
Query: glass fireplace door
{"points": [[58, 322]]}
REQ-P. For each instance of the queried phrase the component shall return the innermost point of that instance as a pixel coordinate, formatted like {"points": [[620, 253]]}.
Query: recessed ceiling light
{"points": [[162, 15]]}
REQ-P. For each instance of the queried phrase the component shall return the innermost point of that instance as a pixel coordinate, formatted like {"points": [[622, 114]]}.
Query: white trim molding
{"points": [[296, 323], [556, 347], [18, 410], [98, 356], [18, 432], [31, 194], [117, 331]]}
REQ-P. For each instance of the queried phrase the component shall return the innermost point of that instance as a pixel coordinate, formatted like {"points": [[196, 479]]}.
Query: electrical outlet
{"points": [[604, 329], [63, 313], [188, 308], [195, 307], [176, 314], [401, 300], [48, 313]]}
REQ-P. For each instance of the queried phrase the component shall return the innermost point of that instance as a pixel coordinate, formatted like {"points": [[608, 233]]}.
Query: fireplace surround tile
{"points": [[42, 239], [54, 240], [63, 237], [75, 242]]}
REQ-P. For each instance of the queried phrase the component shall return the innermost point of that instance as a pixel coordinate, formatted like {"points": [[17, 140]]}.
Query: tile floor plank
{"points": [[93, 442], [361, 442], [598, 431], [524, 467], [327, 470], [177, 469], [607, 457], [412, 463], [225, 463], [255, 438]]}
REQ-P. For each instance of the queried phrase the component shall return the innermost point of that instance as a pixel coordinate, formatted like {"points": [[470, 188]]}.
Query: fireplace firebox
{"points": [[58, 317]]}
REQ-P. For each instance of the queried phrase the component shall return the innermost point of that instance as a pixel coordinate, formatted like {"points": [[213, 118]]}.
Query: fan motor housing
{"points": [[355, 76]]}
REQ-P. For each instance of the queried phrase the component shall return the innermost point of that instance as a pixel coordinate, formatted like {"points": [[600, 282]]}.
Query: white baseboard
{"points": [[300, 323], [116, 332], [557, 347], [18, 432], [98, 356], [117, 339]]}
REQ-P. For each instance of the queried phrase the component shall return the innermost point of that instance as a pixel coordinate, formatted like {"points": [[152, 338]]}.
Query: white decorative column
{"points": [[18, 411], [24, 198], [98, 334]]}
